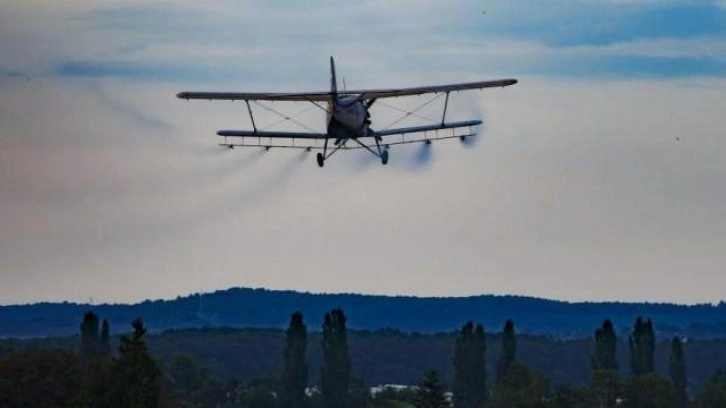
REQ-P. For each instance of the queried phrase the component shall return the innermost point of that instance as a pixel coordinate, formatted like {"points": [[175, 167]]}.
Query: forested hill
{"points": [[243, 307]]}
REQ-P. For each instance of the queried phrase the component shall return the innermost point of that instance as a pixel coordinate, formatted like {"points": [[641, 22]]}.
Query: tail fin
{"points": [[333, 82]]}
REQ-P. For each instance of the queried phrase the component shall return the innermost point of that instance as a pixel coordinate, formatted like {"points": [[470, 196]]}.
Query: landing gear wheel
{"points": [[321, 160], [384, 157]]}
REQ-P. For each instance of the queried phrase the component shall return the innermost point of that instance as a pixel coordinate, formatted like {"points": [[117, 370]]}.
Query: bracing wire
{"points": [[284, 117], [411, 112]]}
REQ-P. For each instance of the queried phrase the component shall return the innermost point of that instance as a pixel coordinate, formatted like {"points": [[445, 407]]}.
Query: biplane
{"points": [[348, 119]]}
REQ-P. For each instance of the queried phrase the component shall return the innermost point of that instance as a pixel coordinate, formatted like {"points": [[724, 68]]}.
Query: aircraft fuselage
{"points": [[348, 117]]}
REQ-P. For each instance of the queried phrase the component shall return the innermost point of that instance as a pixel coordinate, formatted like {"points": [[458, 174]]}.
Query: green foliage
{"points": [[335, 371], [606, 387], [295, 368], [135, 373], [642, 347], [509, 350], [470, 376], [431, 392], [606, 343], [39, 378], [678, 372], [521, 387], [648, 391], [714, 393]]}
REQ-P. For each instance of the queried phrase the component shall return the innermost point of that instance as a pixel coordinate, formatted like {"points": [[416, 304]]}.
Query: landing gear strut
{"points": [[380, 152], [321, 160]]}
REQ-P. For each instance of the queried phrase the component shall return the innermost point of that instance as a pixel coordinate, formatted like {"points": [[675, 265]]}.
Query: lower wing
{"points": [[280, 135], [426, 128], [267, 138]]}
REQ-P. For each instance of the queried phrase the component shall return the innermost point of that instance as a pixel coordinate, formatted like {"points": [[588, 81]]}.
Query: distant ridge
{"points": [[246, 307]]}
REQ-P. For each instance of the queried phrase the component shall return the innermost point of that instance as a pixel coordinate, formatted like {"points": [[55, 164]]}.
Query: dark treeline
{"points": [[268, 308], [391, 356], [335, 367]]}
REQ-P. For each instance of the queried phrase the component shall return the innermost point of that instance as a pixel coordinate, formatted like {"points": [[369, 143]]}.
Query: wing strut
{"points": [[446, 104], [252, 118]]}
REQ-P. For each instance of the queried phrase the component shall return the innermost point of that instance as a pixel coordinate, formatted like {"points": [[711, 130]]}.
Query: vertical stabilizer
{"points": [[333, 82]]}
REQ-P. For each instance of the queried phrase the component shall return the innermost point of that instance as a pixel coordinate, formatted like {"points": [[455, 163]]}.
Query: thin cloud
{"points": [[166, 38]]}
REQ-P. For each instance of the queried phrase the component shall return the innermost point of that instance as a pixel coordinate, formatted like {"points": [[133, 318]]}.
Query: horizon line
{"points": [[384, 295]]}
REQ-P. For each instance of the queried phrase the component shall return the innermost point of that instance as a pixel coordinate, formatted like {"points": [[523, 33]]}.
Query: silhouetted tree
{"points": [[95, 353], [678, 372], [606, 343], [509, 350], [90, 343], [642, 347], [431, 392], [295, 369], [105, 347], [335, 371], [470, 376], [136, 375]]}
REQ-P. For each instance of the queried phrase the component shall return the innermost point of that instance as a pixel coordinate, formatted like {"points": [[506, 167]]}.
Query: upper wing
{"points": [[391, 93], [257, 96], [361, 94]]}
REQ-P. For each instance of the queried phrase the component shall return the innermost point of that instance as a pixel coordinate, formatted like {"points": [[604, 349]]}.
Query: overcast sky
{"points": [[600, 176]]}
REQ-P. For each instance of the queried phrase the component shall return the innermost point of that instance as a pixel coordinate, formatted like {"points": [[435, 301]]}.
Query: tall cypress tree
{"points": [[509, 350], [295, 369], [335, 372], [678, 371], [90, 346], [606, 343], [105, 345], [470, 377], [642, 347]]}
